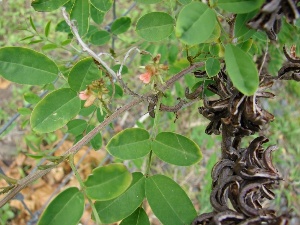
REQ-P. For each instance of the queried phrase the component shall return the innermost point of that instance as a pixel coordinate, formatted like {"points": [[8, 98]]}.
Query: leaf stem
{"points": [[72, 164]]}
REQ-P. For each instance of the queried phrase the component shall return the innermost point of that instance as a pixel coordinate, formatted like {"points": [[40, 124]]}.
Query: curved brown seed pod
{"points": [[252, 156], [277, 24], [228, 215], [218, 167], [254, 173], [174, 108], [296, 76], [218, 206], [200, 74], [267, 158], [233, 193], [195, 94], [224, 184], [288, 68], [251, 201], [203, 219], [246, 190], [267, 193], [265, 95], [252, 221]]}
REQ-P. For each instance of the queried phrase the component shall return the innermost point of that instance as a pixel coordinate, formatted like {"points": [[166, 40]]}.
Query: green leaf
{"points": [[49, 47], [100, 37], [117, 67], [83, 73], [24, 111], [195, 18], [148, 1], [108, 182], [66, 42], [35, 41], [32, 23], [100, 115], [246, 45], [102, 5], [139, 217], [76, 126], [118, 90], [176, 149], [240, 6], [26, 66], [125, 204], [26, 38], [96, 141], [62, 26], [241, 70], [184, 2], [65, 209], [81, 13], [97, 15], [214, 49], [155, 26], [47, 5], [87, 111], [47, 28], [55, 110], [120, 25], [240, 27], [31, 98], [131, 143], [212, 66], [168, 201]]}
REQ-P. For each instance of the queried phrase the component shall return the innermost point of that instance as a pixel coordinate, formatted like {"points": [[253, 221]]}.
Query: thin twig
{"points": [[119, 73], [84, 46], [264, 59]]}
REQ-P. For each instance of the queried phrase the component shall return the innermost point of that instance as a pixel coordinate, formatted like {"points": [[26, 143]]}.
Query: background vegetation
{"points": [[21, 150]]}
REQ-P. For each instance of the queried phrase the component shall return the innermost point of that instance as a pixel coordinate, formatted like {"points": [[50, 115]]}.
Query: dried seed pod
{"points": [[174, 108]]}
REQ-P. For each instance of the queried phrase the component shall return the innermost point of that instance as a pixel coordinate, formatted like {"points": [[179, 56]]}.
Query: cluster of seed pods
{"points": [[270, 16], [244, 178]]}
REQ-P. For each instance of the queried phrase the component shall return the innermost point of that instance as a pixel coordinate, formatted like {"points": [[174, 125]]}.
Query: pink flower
{"points": [[83, 95], [146, 77]]}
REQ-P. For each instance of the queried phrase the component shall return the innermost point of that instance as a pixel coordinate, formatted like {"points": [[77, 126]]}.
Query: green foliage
{"points": [[25, 66], [241, 70], [168, 201], [212, 66], [55, 110], [102, 5], [100, 37], [125, 204], [240, 6], [176, 149], [139, 217], [96, 15], [6, 214], [148, 1], [240, 28], [155, 26], [69, 202], [96, 141], [190, 21], [82, 74], [108, 182], [131, 143], [120, 25], [47, 5], [81, 12], [76, 126]]}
